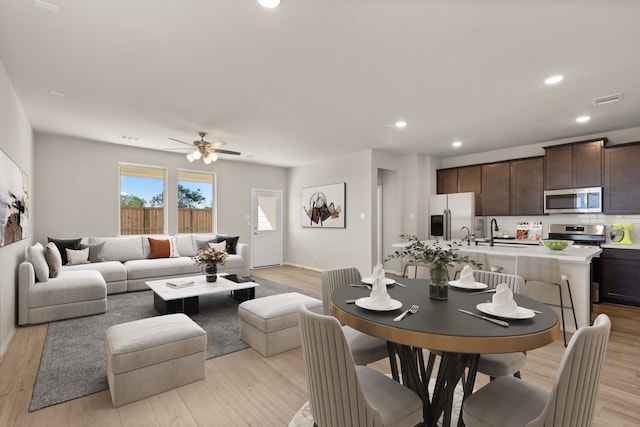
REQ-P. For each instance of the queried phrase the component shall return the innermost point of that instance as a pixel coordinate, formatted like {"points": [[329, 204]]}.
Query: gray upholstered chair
{"points": [[365, 348], [571, 402], [546, 270], [342, 394], [497, 364]]}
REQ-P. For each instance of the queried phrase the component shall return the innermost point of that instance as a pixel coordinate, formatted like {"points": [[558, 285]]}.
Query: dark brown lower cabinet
{"points": [[620, 281]]}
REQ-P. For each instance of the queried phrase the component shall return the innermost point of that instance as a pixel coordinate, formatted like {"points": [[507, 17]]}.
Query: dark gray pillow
{"points": [[95, 251], [232, 242], [63, 245]]}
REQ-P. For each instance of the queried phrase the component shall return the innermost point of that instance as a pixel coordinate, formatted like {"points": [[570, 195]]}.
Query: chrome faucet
{"points": [[468, 236], [493, 226]]}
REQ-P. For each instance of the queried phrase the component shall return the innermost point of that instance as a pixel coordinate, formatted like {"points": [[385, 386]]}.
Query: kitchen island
{"points": [[575, 261]]}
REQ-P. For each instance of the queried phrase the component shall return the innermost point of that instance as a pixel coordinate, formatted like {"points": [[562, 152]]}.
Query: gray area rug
{"points": [[73, 362]]}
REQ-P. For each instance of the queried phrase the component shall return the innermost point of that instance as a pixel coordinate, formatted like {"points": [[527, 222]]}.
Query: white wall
{"points": [[16, 140], [78, 184]]}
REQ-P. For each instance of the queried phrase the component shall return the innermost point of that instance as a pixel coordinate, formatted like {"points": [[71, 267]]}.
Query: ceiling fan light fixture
{"points": [[196, 154], [190, 157], [270, 4]]}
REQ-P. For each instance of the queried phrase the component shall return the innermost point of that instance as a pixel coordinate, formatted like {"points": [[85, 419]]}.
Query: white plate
{"points": [[476, 285], [369, 281], [364, 303], [523, 313]]}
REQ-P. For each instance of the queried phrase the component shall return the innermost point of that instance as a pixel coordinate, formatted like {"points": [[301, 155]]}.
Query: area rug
{"points": [[73, 359]]}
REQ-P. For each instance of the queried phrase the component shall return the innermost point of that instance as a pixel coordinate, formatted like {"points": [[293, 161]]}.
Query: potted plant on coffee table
{"points": [[210, 258], [437, 257]]}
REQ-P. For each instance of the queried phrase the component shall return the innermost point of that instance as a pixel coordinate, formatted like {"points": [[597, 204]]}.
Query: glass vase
{"points": [[439, 283], [211, 273]]}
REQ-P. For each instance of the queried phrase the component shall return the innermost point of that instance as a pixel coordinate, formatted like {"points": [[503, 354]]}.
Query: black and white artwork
{"points": [[14, 201]]}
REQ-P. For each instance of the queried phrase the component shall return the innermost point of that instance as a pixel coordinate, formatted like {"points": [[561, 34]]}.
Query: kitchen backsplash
{"points": [[509, 223]]}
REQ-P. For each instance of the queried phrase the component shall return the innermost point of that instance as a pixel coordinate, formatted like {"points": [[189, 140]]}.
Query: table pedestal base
{"points": [[416, 376]]}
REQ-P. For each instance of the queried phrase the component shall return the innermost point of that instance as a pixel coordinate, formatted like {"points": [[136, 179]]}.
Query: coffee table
{"points": [[185, 300]]}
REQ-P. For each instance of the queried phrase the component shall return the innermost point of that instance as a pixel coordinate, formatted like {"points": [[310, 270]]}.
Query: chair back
{"points": [[335, 395], [334, 278], [534, 269], [493, 279], [479, 257], [573, 398]]}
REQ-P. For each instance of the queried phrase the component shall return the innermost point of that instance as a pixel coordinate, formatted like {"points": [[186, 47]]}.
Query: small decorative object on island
{"points": [[437, 257], [210, 258]]}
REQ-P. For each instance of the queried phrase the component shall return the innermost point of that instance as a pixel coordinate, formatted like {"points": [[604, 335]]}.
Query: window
{"points": [[195, 202], [142, 200]]}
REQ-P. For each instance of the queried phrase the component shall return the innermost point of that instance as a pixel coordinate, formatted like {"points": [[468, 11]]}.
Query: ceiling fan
{"points": [[206, 150]]}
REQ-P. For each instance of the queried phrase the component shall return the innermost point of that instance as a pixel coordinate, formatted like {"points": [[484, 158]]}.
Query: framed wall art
{"points": [[14, 201], [324, 206]]}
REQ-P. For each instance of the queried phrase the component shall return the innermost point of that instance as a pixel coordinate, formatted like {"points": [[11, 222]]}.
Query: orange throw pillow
{"points": [[159, 248]]}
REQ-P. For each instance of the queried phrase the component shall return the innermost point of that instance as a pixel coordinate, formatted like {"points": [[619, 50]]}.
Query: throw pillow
{"points": [[222, 246], [159, 248], [36, 255], [80, 256], [54, 259], [95, 251], [173, 241], [63, 245], [232, 242], [204, 244]]}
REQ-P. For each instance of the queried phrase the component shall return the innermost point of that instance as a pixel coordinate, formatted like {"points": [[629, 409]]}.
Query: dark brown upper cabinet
{"points": [[526, 186], [621, 179], [462, 180], [574, 165], [447, 181], [496, 189]]}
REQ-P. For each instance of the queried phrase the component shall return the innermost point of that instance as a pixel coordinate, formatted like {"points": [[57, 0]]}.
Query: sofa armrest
{"points": [[26, 280], [244, 251]]}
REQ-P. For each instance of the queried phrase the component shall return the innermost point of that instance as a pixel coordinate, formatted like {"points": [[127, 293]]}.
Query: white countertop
{"points": [[617, 246], [577, 255]]}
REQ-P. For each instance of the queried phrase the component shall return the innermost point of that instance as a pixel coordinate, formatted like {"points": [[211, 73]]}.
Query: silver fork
{"points": [[413, 309]]}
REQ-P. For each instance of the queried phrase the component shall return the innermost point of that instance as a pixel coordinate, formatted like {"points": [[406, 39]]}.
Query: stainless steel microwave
{"points": [[573, 200]]}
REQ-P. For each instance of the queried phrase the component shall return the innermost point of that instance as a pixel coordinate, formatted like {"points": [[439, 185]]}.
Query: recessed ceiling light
{"points": [[56, 93], [456, 144], [583, 119], [46, 6], [400, 124], [554, 79], [270, 4]]}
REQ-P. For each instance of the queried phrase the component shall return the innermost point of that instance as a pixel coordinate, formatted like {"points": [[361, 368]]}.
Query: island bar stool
{"points": [[546, 270]]}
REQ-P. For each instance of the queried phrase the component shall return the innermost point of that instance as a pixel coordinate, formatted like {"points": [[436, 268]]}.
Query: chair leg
{"points": [[404, 271], [564, 330], [573, 310]]}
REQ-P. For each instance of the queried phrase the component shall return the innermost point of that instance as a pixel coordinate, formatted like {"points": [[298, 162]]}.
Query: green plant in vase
{"points": [[438, 258]]}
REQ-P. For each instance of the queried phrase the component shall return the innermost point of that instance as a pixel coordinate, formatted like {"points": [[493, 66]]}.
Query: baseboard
{"points": [[5, 344], [319, 270]]}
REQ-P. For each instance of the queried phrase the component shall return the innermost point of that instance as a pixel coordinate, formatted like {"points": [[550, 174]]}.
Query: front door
{"points": [[266, 219]]}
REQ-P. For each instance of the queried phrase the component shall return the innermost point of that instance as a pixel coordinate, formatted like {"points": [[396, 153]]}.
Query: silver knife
{"points": [[496, 321], [488, 291], [399, 284]]}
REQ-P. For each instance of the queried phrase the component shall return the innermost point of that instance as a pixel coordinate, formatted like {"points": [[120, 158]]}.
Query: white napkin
{"points": [[466, 276], [379, 296], [502, 301]]}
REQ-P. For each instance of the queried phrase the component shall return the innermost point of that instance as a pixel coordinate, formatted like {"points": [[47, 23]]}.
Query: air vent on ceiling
{"points": [[609, 99]]}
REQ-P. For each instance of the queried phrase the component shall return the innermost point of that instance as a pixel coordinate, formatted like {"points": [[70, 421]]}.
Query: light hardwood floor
{"points": [[245, 389]]}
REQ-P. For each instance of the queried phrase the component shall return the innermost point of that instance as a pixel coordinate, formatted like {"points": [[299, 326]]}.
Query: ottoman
{"points": [[270, 324], [149, 356]]}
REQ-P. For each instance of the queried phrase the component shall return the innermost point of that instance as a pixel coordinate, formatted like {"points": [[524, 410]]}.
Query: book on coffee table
{"points": [[179, 283]]}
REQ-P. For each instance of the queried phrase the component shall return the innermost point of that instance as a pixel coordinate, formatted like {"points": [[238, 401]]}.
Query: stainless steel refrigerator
{"points": [[449, 213]]}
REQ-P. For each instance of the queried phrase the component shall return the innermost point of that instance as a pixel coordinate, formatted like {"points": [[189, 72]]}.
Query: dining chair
{"points": [[365, 348], [546, 270], [496, 365], [571, 402], [343, 394], [480, 258]]}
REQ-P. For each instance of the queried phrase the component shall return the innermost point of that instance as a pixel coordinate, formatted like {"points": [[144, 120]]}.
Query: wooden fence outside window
{"points": [[150, 220]]}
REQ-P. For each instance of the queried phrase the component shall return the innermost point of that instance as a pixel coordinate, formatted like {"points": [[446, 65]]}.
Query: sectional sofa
{"points": [[114, 265]]}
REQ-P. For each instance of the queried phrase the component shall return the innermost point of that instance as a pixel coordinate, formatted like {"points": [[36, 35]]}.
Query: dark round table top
{"points": [[438, 325]]}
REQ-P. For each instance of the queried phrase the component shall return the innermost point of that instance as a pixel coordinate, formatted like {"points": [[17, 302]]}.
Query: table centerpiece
{"points": [[437, 257], [210, 258]]}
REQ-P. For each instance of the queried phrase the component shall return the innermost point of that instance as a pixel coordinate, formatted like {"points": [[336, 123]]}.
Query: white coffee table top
{"points": [[200, 287]]}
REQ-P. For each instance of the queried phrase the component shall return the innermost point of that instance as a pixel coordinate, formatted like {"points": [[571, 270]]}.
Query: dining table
{"points": [[439, 326]]}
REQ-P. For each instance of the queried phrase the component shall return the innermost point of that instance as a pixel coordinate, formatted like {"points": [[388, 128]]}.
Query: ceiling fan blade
{"points": [[182, 142], [218, 150], [184, 150]]}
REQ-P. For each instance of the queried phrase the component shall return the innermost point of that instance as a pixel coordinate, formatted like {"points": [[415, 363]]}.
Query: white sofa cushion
{"points": [[37, 255], [184, 242], [121, 248], [160, 267], [68, 287], [112, 271]]}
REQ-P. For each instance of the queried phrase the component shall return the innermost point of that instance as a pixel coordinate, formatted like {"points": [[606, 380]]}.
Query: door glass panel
{"points": [[267, 213]]}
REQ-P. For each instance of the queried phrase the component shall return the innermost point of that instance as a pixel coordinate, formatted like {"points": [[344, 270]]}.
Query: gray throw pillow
{"points": [[54, 260], [36, 255], [95, 251]]}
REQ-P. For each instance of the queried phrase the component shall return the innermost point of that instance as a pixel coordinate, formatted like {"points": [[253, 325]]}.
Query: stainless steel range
{"points": [[583, 235]]}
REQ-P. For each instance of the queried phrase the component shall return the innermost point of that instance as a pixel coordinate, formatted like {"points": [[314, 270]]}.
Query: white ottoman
{"points": [[149, 356], [270, 324]]}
